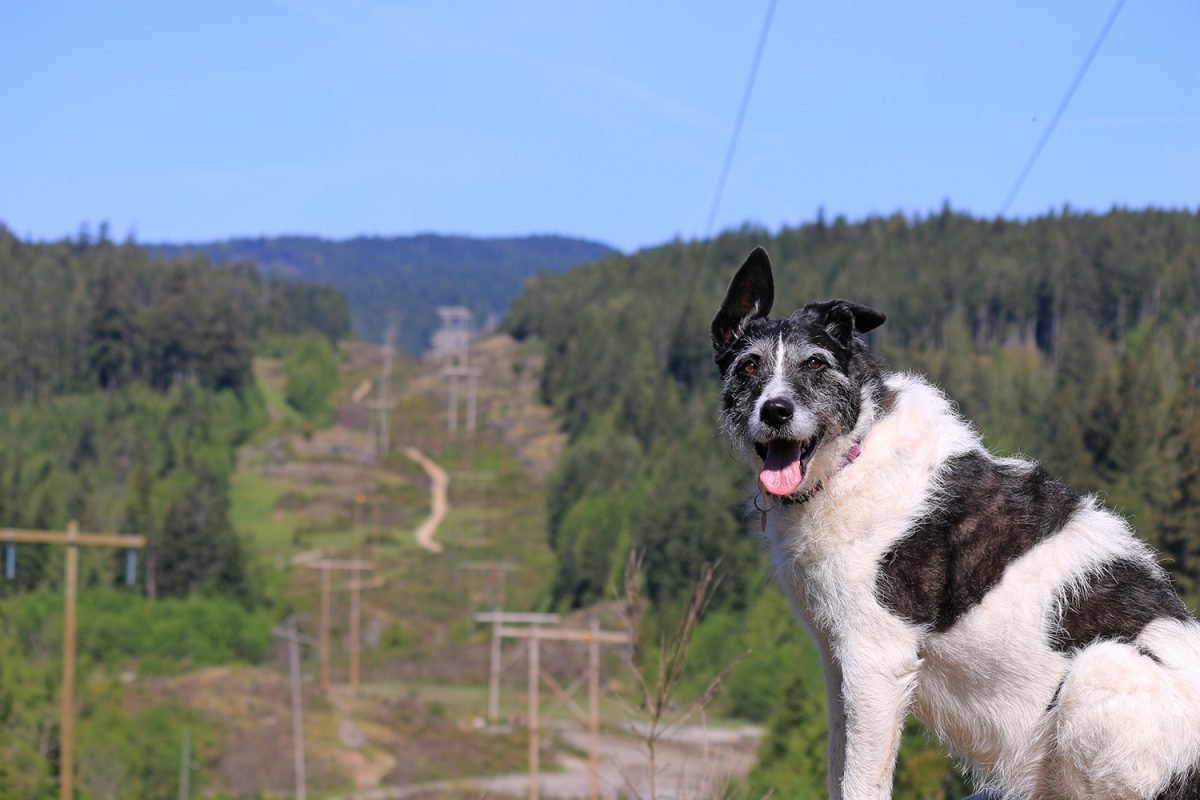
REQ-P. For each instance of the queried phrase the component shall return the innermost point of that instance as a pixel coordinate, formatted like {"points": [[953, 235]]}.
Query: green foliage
{"points": [[403, 278], [80, 316], [126, 753], [119, 628], [311, 375], [123, 748], [125, 389], [134, 460]]}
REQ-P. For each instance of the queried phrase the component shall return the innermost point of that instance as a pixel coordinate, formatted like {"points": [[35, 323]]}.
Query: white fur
{"points": [[1122, 723]]}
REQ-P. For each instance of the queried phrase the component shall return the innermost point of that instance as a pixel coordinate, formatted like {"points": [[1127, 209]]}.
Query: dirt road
{"points": [[693, 763], [439, 482]]}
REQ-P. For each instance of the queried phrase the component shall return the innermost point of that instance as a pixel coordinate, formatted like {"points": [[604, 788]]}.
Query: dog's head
{"points": [[792, 388]]}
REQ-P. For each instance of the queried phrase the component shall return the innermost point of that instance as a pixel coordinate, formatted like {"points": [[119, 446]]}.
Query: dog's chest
{"points": [[828, 561]]}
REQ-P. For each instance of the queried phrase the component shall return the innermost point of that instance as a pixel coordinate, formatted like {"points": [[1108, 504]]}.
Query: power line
{"points": [[741, 117], [1062, 106], [698, 265]]}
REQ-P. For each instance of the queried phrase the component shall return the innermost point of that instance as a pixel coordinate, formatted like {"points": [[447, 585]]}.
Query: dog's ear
{"points": [[749, 296], [844, 318]]}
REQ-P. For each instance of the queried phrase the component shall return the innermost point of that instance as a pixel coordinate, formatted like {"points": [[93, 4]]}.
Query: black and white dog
{"points": [[1024, 624]]}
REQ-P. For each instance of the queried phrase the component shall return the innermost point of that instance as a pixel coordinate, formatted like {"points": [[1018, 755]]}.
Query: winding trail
{"points": [[439, 482]]}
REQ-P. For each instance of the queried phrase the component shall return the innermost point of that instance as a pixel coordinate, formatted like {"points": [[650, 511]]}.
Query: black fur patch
{"points": [[983, 517], [1116, 602], [1183, 786]]}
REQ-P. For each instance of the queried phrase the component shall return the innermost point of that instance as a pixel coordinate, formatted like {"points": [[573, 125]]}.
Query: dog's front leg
{"points": [[878, 678], [835, 751]]}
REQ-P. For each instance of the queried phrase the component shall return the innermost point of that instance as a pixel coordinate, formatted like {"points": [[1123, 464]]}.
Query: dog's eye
{"points": [[749, 366], [814, 363]]}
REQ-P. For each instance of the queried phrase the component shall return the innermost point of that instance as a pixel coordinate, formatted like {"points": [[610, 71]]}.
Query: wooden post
{"points": [[325, 628], [293, 639], [498, 618], [185, 766], [376, 533], [327, 566], [594, 637], [594, 711], [534, 681], [67, 745], [494, 674], [355, 610], [71, 539], [471, 404]]}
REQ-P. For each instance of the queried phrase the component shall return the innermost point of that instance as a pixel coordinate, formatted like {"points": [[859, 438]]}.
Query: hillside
{"points": [[202, 407], [406, 278]]}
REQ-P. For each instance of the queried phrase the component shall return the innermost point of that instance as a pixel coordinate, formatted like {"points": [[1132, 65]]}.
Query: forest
{"points": [[126, 385], [1073, 338], [404, 279]]}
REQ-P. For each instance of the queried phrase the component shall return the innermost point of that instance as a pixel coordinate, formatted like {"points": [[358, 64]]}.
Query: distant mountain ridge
{"points": [[406, 277]]}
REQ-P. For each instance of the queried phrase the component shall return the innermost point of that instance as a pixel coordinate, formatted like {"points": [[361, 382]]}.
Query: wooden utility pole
{"points": [[594, 637], [355, 642], [327, 566], [535, 668], [456, 375], [72, 538], [498, 618], [594, 711], [185, 766], [293, 637], [384, 404]]}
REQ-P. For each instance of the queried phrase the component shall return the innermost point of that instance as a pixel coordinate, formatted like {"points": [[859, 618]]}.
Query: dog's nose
{"points": [[777, 412]]}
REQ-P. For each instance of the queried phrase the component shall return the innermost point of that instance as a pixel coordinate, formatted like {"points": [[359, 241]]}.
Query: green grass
{"points": [[268, 376], [252, 500]]}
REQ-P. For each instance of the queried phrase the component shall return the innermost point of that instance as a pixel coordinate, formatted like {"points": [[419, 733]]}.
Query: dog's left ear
{"points": [[749, 296], [844, 318]]}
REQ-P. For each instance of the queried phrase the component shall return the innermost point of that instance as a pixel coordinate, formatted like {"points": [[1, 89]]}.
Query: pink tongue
{"points": [[781, 472]]}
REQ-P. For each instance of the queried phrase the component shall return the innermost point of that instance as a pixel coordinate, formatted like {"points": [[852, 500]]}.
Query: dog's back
{"points": [[1057, 659]]}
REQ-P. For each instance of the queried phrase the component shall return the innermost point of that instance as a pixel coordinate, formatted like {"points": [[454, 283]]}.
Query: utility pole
{"points": [[534, 742], [293, 637], [452, 344], [498, 618], [327, 566], [383, 405], [72, 538], [594, 710], [185, 765], [457, 375], [355, 642], [594, 637]]}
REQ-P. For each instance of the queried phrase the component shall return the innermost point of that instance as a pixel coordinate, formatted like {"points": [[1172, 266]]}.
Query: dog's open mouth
{"points": [[783, 464]]}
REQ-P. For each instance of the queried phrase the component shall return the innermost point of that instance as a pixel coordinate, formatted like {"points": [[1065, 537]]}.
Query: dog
{"points": [[1023, 624]]}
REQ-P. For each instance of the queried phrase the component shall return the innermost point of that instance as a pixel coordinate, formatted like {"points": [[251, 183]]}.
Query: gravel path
{"points": [[439, 482]]}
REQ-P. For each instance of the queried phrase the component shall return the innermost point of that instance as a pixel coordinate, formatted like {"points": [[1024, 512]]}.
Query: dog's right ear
{"points": [[749, 297]]}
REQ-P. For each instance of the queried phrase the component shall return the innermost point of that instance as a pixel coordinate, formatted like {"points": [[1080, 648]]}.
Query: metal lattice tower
{"points": [[452, 346]]}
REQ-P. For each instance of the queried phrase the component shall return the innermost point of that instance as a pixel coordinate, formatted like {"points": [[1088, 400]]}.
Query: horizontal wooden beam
{"points": [[331, 563], [61, 537], [567, 635], [516, 616]]}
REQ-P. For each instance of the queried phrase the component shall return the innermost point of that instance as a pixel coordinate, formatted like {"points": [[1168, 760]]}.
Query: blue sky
{"points": [[187, 121]]}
